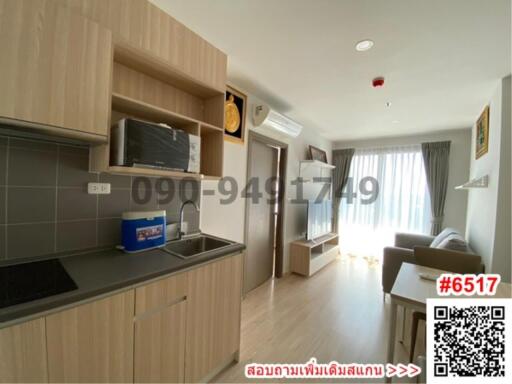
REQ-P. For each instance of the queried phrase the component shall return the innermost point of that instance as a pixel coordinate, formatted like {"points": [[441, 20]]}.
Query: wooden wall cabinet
{"points": [[145, 27], [55, 69], [213, 317], [72, 68], [92, 342], [23, 353]]}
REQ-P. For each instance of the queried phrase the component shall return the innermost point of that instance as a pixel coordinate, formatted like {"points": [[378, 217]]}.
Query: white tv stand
{"points": [[308, 257]]}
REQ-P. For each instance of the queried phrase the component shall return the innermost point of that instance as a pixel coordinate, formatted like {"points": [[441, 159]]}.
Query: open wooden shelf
{"points": [[140, 171], [145, 62], [146, 88], [211, 178], [209, 127], [212, 150], [156, 114], [212, 137]]}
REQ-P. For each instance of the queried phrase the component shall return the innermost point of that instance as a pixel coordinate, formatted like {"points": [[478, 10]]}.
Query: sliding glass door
{"points": [[386, 193]]}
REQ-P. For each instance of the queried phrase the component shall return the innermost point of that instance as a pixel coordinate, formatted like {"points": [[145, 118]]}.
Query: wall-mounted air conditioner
{"points": [[277, 123]]}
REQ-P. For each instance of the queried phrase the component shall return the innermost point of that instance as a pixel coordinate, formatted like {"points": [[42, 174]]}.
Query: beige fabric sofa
{"points": [[421, 249]]}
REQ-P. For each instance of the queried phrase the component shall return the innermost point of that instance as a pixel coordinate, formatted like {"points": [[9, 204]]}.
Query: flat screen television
{"points": [[319, 218]]}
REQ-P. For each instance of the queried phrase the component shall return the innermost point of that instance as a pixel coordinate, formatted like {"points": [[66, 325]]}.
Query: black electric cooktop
{"points": [[21, 283]]}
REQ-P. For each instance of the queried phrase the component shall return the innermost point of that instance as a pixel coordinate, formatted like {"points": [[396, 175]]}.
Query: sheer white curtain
{"points": [[386, 193]]}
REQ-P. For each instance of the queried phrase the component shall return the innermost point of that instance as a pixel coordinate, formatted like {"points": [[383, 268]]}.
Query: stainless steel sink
{"points": [[195, 246]]}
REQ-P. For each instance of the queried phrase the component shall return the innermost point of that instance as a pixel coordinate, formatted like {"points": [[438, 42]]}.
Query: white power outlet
{"points": [[98, 188]]}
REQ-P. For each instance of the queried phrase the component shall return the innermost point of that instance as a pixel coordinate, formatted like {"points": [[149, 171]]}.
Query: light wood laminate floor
{"points": [[337, 314]]}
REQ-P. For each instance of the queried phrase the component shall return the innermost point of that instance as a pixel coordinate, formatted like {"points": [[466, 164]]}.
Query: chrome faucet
{"points": [[180, 224]]}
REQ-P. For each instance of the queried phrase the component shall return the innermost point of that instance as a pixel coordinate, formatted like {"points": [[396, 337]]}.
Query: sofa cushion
{"points": [[444, 233], [454, 242]]}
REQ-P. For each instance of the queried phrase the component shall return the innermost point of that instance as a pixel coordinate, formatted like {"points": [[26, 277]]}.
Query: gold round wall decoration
{"points": [[232, 115]]}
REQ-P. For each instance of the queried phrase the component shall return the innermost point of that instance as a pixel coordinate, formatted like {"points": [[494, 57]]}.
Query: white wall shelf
{"points": [[315, 163], [314, 175], [309, 169], [481, 182]]}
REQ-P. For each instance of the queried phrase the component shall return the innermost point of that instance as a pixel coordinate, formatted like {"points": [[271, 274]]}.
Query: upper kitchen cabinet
{"points": [[55, 70], [144, 26]]}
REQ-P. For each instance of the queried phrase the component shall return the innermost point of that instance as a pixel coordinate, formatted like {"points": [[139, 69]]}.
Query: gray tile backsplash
{"points": [[110, 205], [2, 204], [73, 169], [27, 240], [32, 166], [143, 195], [3, 159], [116, 181], [73, 235], [2, 241], [76, 204], [30, 205], [108, 229], [45, 208], [38, 145]]}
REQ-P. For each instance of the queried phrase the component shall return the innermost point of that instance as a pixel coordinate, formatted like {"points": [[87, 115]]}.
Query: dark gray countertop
{"points": [[101, 272]]}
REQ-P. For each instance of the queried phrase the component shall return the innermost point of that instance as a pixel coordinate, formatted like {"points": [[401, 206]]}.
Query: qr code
{"points": [[469, 338]]}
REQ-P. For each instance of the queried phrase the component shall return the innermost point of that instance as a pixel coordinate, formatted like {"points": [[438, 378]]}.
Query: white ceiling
{"points": [[441, 58]]}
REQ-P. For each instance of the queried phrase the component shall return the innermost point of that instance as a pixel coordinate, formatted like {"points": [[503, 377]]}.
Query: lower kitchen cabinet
{"points": [[160, 345], [214, 298], [23, 353], [180, 328], [92, 342]]}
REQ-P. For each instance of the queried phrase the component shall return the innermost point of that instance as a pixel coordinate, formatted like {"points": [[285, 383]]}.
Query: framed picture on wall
{"points": [[235, 107], [482, 133], [317, 154]]}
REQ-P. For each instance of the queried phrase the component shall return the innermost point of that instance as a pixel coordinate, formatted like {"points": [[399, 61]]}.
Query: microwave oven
{"points": [[139, 143]]}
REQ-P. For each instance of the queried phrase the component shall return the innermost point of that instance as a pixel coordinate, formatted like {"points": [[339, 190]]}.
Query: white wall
{"points": [[501, 262], [458, 172], [295, 214], [228, 221], [488, 224]]}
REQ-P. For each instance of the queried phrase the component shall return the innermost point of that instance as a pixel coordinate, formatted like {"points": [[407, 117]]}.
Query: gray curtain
{"points": [[341, 159], [436, 159]]}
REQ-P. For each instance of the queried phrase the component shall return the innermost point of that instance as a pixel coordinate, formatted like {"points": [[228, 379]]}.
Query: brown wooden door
{"points": [[259, 262], [55, 67], [92, 342], [214, 298]]}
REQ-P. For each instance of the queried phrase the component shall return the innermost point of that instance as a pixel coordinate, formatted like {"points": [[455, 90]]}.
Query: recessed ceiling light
{"points": [[364, 45]]}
